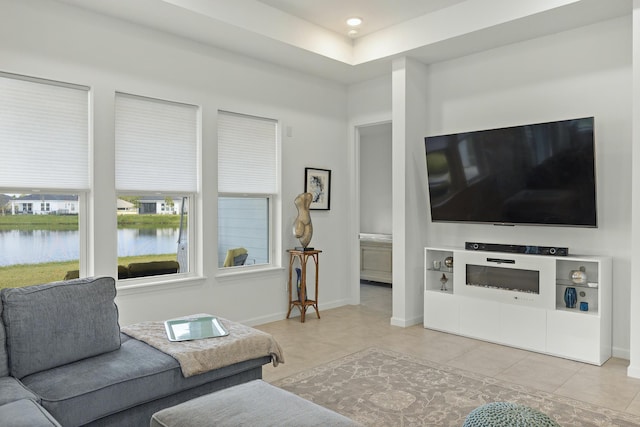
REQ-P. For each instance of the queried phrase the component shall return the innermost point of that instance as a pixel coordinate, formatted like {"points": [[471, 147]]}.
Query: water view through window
{"points": [[39, 238], [152, 235], [38, 246], [43, 245]]}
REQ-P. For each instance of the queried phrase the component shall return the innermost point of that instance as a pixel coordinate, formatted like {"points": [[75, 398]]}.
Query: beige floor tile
{"points": [[634, 406], [541, 372], [488, 359], [443, 347], [614, 396], [608, 385]]}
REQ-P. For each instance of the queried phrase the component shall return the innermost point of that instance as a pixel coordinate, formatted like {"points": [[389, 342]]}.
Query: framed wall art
{"points": [[318, 183]]}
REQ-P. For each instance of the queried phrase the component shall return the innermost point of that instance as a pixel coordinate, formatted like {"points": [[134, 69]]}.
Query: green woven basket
{"points": [[507, 414]]}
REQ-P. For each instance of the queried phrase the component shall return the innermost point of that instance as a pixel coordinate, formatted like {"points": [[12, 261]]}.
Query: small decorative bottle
{"points": [[444, 279], [570, 297], [299, 274]]}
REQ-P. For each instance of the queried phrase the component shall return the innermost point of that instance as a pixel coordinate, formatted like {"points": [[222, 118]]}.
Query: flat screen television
{"points": [[537, 174]]}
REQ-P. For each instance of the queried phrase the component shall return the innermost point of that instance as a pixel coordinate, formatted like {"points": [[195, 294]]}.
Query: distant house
{"points": [[126, 208], [57, 204], [150, 205], [155, 205], [45, 204]]}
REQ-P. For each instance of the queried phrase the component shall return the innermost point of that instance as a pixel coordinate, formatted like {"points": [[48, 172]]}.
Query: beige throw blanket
{"points": [[199, 356]]}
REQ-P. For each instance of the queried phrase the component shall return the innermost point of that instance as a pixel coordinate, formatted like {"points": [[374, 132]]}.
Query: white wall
{"points": [[375, 179], [55, 41], [576, 73], [583, 72], [634, 303]]}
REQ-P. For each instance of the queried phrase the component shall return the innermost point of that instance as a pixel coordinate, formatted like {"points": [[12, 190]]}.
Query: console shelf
{"points": [[518, 300], [567, 282]]}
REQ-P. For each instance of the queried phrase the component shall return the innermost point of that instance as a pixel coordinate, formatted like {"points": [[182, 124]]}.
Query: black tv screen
{"points": [[538, 174]]}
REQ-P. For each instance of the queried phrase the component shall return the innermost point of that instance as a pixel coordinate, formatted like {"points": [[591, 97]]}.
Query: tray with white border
{"points": [[194, 328]]}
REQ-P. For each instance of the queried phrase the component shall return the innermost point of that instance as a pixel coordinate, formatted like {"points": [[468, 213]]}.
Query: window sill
{"points": [[157, 283], [224, 273]]}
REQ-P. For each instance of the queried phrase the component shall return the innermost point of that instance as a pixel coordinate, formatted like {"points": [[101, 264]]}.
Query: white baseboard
{"points": [[633, 371], [273, 317], [405, 323], [621, 353], [255, 321]]}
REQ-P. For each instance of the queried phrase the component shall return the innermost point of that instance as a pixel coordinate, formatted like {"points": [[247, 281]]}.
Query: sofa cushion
{"points": [[57, 323], [84, 391], [123, 273], [4, 357], [12, 389], [25, 413], [152, 268]]}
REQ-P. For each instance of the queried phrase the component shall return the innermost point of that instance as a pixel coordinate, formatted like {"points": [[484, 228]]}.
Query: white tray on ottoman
{"points": [[255, 403]]}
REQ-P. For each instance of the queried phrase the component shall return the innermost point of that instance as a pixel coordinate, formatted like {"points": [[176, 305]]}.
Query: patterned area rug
{"points": [[383, 388]]}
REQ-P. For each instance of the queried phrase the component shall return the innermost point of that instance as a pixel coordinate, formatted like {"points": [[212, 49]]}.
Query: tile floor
{"points": [[348, 329]]}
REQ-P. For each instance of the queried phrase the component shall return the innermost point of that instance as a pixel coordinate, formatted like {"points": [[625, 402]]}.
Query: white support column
{"points": [[410, 218], [103, 244], [634, 317]]}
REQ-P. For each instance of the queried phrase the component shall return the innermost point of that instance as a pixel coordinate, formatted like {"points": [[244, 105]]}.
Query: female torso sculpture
{"points": [[302, 227]]}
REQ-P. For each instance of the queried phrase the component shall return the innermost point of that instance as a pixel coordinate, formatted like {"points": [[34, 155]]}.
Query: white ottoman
{"points": [[255, 403]]}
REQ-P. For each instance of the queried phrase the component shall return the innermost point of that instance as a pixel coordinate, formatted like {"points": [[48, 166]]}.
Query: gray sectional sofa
{"points": [[63, 361]]}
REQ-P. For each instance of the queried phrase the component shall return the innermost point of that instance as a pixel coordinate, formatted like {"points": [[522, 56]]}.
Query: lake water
{"points": [[37, 246]]}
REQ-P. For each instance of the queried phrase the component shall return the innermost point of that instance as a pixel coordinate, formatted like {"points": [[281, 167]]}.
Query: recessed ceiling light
{"points": [[354, 22]]}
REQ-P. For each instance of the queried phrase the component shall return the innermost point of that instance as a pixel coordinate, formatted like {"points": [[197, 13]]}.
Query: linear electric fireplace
{"points": [[506, 279]]}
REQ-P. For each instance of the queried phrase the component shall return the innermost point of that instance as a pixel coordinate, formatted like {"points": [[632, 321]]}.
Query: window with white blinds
{"points": [[44, 134], [156, 145], [248, 175], [44, 141], [247, 154], [156, 175]]}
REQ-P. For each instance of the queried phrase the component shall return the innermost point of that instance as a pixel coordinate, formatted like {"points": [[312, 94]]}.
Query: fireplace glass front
{"points": [[508, 279]]}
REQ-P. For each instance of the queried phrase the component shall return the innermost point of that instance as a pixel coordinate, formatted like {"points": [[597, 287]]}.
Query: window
{"points": [[38, 246], [243, 222], [44, 140], [248, 170], [152, 242], [156, 182]]}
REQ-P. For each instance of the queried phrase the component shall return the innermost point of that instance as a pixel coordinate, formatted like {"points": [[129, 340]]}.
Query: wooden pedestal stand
{"points": [[301, 301]]}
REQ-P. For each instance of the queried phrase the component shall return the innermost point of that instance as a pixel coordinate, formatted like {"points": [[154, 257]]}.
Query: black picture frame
{"points": [[318, 182]]}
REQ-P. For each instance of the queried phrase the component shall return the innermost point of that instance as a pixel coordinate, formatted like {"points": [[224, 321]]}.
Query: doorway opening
{"points": [[375, 215]]}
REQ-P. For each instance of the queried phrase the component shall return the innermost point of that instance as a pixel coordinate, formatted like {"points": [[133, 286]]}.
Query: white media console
{"points": [[518, 300]]}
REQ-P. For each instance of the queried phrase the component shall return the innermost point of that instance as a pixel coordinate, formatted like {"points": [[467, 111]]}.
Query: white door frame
{"points": [[354, 220]]}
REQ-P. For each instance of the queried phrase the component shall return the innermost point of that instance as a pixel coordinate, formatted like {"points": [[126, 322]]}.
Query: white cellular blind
{"points": [[156, 145], [247, 154], [44, 134]]}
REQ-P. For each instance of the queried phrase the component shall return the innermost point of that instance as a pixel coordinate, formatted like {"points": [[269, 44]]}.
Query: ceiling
{"points": [[310, 35], [376, 14]]}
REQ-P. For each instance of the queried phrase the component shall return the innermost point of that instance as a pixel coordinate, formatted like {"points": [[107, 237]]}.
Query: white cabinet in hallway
{"points": [[376, 257]]}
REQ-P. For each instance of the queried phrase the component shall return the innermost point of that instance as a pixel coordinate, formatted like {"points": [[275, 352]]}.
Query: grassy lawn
{"points": [[15, 276], [39, 222], [70, 222], [149, 221]]}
